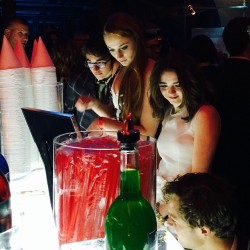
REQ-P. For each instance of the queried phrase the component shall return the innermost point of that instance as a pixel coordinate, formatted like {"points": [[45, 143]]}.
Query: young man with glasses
{"points": [[88, 93]]}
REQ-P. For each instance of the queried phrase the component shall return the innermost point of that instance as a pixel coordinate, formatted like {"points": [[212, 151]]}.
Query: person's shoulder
{"points": [[206, 108], [149, 67], [230, 63], [116, 67], [150, 63], [233, 69], [207, 111], [207, 116], [80, 78]]}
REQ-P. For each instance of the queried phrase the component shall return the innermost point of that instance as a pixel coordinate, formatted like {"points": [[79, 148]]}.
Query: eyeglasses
{"points": [[100, 64]]}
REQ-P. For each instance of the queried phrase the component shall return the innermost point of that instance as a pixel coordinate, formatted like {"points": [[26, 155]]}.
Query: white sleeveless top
{"points": [[175, 147]]}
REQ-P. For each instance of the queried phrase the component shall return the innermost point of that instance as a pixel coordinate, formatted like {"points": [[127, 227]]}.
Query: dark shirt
{"points": [[85, 83], [233, 85], [232, 158], [210, 72]]}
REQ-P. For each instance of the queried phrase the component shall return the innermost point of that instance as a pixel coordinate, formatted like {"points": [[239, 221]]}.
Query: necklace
{"points": [[173, 113]]}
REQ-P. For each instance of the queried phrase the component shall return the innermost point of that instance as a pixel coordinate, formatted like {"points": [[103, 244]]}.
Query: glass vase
{"points": [[86, 181]]}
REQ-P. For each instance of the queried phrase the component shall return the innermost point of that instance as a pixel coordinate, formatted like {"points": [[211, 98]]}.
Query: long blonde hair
{"points": [[132, 87]]}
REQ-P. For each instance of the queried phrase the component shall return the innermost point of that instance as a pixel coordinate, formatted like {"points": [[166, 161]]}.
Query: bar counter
{"points": [[32, 213]]}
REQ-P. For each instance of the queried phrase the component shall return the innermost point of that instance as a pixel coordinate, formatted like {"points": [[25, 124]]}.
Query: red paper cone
{"points": [[41, 56], [21, 54], [8, 59], [33, 51]]}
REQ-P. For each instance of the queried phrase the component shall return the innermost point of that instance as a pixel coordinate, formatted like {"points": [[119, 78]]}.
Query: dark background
{"points": [[68, 17]]}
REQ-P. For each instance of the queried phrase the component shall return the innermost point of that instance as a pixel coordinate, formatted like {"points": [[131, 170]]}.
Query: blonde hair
{"points": [[132, 87]]}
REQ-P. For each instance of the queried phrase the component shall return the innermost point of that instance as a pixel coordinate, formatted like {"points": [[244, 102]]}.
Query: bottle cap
{"points": [[128, 134]]}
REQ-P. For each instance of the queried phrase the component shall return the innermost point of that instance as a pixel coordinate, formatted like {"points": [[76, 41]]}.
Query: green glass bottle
{"points": [[130, 222]]}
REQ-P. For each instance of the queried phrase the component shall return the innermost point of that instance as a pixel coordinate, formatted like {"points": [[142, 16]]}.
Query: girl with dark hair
{"points": [[190, 124]]}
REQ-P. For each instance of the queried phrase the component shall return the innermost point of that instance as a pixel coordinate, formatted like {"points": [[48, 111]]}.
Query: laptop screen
{"points": [[44, 127]]}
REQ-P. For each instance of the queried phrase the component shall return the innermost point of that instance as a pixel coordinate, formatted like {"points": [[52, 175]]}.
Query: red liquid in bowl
{"points": [[87, 181]]}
